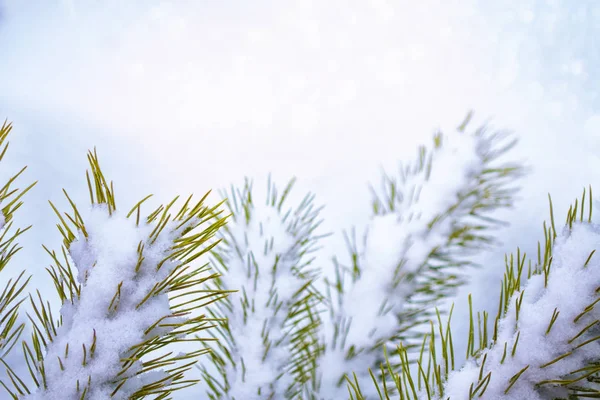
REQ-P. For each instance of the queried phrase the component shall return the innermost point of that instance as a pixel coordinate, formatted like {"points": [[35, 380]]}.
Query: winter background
{"points": [[185, 96]]}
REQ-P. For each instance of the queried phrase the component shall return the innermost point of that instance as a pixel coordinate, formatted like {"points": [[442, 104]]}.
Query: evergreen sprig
{"points": [[126, 301], [10, 202], [466, 221], [267, 345], [520, 357], [117, 322], [423, 236]]}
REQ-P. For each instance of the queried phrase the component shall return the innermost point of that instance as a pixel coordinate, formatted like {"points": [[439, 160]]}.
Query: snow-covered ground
{"points": [[185, 96]]}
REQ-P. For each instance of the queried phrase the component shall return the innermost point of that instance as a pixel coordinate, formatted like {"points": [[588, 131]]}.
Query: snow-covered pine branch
{"points": [[545, 341], [10, 201], [116, 321], [544, 344], [425, 226], [267, 344]]}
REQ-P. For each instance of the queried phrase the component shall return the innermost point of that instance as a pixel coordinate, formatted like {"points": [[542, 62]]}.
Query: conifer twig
{"points": [[426, 227], [10, 297], [267, 344], [114, 275], [544, 344]]}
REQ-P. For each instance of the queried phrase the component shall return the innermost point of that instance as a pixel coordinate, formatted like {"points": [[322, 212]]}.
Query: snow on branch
{"points": [[267, 342], [114, 276], [544, 344], [425, 226]]}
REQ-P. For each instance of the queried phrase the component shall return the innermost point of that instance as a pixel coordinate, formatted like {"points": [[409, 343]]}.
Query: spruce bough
{"points": [[240, 285]]}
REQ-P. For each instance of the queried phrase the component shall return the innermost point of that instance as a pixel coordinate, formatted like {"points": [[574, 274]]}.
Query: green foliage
{"points": [[255, 309], [10, 202], [190, 230], [263, 246], [462, 216], [470, 217], [429, 379]]}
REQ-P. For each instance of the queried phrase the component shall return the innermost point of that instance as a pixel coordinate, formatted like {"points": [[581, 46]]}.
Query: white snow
{"points": [[221, 98], [398, 244], [105, 260], [571, 288], [258, 312]]}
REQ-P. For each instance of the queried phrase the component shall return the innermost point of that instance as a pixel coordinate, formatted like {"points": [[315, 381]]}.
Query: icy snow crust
{"points": [[571, 288], [106, 259]]}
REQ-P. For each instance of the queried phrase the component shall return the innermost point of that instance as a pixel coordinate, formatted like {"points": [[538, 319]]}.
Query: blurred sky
{"points": [[182, 96]]}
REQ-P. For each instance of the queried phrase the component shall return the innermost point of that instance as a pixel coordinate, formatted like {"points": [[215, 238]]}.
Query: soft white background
{"points": [[183, 96]]}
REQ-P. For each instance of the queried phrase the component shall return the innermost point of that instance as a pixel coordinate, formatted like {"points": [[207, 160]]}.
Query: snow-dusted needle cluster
{"points": [[267, 345], [10, 201], [545, 339], [547, 342], [424, 227], [130, 288], [116, 323]]}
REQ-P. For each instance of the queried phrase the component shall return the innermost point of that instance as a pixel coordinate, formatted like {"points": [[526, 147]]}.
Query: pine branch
{"points": [[10, 202], [426, 227], [267, 344], [550, 325], [116, 321], [544, 344]]}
